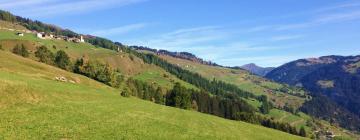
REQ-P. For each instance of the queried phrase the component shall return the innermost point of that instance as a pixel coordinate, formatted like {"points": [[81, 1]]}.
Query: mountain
{"points": [[73, 80], [294, 71], [337, 77], [253, 68]]}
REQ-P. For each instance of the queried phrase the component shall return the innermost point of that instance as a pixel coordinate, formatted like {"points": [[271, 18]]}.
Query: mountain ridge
{"points": [[258, 70], [336, 77]]}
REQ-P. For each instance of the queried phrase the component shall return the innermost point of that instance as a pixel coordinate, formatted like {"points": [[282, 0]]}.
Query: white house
{"points": [[20, 34], [40, 35]]}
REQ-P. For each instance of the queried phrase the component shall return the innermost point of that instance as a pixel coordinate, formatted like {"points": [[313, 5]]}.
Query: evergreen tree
{"points": [[302, 132], [78, 66], [265, 107], [179, 97], [159, 98], [62, 60]]}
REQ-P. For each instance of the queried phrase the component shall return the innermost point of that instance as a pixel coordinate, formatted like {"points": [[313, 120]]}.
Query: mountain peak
{"points": [[255, 69]]}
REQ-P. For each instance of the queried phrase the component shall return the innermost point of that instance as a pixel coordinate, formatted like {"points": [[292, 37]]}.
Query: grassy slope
{"points": [[251, 83], [258, 85], [130, 66], [241, 78], [34, 106]]}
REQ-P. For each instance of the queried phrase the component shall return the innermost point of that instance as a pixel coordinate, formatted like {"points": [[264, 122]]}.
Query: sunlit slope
{"points": [[242, 79], [35, 106], [251, 83], [129, 65]]}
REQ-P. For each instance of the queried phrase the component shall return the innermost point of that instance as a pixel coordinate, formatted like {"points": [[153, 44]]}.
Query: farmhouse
{"points": [[20, 34], [40, 35], [43, 35]]}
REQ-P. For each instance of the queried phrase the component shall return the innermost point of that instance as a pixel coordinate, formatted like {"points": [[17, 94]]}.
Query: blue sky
{"points": [[228, 32]]}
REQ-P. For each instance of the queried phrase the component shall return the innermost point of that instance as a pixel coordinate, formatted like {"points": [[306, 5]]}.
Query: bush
{"points": [[44, 55], [62, 60], [21, 50]]}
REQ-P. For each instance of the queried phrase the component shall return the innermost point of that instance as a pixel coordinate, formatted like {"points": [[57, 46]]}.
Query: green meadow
{"points": [[35, 106]]}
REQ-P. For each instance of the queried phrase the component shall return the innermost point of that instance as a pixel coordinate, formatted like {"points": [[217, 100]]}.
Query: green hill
{"points": [[36, 106], [129, 65], [91, 107], [244, 80], [261, 86]]}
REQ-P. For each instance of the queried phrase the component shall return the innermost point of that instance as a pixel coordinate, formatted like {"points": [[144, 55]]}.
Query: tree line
{"points": [[92, 69], [233, 108]]}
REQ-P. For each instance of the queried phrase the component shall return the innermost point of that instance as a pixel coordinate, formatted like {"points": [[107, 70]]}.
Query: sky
{"points": [[227, 32]]}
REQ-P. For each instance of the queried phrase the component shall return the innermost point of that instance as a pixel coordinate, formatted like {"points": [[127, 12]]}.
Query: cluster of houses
{"points": [[43, 35]]}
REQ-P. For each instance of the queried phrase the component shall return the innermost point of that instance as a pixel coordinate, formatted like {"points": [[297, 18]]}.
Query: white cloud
{"points": [[40, 8], [119, 30], [323, 19], [181, 39], [285, 37], [259, 28]]}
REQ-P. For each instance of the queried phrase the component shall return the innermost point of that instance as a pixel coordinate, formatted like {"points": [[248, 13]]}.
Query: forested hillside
{"points": [[333, 77]]}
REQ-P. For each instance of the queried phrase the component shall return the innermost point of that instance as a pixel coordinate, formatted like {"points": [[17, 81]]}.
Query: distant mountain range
{"points": [[337, 77], [255, 69]]}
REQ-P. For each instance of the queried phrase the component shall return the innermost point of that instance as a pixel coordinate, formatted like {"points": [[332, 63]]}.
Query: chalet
{"points": [[40, 35], [58, 37], [20, 34], [76, 40]]}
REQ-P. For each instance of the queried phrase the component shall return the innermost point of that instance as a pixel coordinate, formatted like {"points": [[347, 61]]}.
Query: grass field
{"points": [[130, 66], [35, 106]]}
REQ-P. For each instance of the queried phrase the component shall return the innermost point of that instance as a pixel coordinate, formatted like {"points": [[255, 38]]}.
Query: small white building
{"points": [[20, 34], [40, 35]]}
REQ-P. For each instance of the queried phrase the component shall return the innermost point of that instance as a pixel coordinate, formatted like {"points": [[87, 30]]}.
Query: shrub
{"points": [[21, 50], [62, 60], [44, 55]]}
